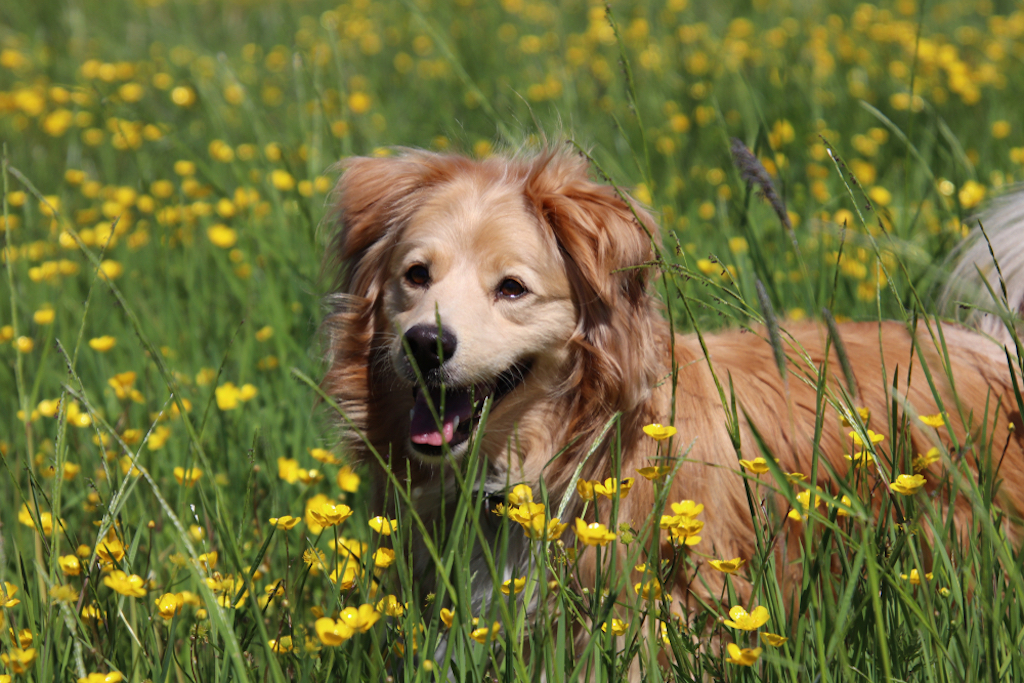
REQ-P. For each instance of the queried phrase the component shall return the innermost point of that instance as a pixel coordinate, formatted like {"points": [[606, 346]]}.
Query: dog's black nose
{"points": [[424, 346]]}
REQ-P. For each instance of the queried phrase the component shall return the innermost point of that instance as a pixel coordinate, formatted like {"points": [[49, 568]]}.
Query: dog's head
{"points": [[516, 279]]}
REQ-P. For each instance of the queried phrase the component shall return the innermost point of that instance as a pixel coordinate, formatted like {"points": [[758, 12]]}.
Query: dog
{"points": [[521, 283]]}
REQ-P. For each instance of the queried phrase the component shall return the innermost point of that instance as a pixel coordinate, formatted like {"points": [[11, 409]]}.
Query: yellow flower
{"points": [[907, 484], [110, 550], [69, 565], [923, 462], [683, 528], [610, 487], [915, 577], [348, 480], [131, 585], [861, 458], [383, 525], [757, 465], [521, 493], [745, 621], [774, 639], [650, 590], [872, 437], [282, 180], [655, 472], [935, 420], [483, 634], [187, 478], [111, 270], [64, 593], [169, 604], [19, 660], [264, 333], [391, 606], [360, 619], [329, 514], [24, 345], [312, 503], [284, 522], [282, 646], [227, 396], [593, 534], [383, 557], [687, 508], [446, 617], [742, 656], [222, 236], [514, 585], [585, 489], [325, 456], [207, 561], [727, 566], [331, 632], [619, 627], [44, 316], [806, 500], [659, 432]]}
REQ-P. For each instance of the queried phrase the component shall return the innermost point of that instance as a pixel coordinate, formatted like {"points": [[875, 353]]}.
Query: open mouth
{"points": [[457, 410]]}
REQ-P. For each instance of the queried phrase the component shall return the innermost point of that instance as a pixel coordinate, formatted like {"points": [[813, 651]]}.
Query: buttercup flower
{"points": [[757, 465], [619, 627], [773, 639], [187, 478], [861, 458], [514, 585], [650, 590], [7, 598], [521, 493], [742, 656], [169, 604], [391, 606], [872, 437], [907, 484], [383, 557], [360, 618], [69, 565], [383, 525], [348, 480], [131, 585], [610, 487], [585, 489], [915, 578], [483, 633], [329, 514], [285, 522], [332, 633], [447, 616], [282, 646], [924, 461], [19, 660], [745, 621], [659, 432], [593, 534], [654, 473], [727, 566], [935, 420]]}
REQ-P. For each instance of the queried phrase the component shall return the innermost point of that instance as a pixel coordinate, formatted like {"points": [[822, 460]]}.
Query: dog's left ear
{"points": [[606, 239]]}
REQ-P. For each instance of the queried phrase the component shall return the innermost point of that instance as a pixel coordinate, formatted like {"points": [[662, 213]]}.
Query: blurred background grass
{"points": [[191, 144]]}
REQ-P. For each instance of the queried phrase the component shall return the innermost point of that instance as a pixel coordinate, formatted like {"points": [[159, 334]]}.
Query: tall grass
{"points": [[165, 177]]}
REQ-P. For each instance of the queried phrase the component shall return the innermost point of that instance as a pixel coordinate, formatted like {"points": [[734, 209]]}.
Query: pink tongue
{"points": [[423, 426]]}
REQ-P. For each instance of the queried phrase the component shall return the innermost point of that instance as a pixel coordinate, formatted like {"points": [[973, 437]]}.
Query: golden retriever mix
{"points": [[539, 279]]}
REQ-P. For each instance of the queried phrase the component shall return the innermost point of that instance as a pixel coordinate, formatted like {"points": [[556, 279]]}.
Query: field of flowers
{"points": [[173, 508]]}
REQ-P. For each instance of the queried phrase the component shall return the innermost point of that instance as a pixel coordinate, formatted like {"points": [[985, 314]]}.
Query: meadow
{"points": [[173, 505]]}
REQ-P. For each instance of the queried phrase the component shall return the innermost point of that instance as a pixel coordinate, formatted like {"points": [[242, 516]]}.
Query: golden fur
{"points": [[597, 345]]}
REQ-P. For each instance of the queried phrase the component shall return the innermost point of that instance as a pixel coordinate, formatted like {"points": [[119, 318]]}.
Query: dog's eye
{"points": [[418, 275], [511, 289]]}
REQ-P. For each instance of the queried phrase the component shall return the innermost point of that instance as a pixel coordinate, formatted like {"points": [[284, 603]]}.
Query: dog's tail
{"points": [[999, 233]]}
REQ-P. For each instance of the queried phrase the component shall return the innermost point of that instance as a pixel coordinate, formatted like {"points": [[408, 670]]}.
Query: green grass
{"points": [[100, 103]]}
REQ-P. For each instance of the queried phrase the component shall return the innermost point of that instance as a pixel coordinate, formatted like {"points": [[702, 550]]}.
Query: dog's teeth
{"points": [[455, 423], [411, 411]]}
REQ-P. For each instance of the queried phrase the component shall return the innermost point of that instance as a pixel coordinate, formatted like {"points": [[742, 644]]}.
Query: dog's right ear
{"points": [[371, 202]]}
